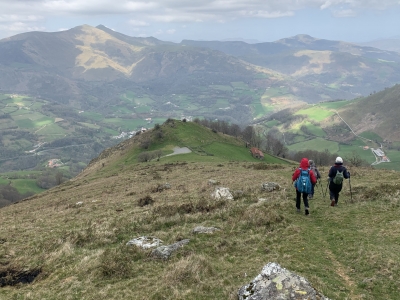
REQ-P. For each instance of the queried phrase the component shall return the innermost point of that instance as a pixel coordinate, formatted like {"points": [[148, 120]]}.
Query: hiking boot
{"points": [[336, 204], [307, 212], [298, 210], [332, 202]]}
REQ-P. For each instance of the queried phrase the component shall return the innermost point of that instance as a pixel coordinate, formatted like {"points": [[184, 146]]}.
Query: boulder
{"points": [[202, 229], [275, 282], [270, 186], [145, 242], [222, 193], [164, 252]]}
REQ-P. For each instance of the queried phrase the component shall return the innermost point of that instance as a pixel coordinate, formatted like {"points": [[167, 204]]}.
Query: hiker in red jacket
{"points": [[310, 176]]}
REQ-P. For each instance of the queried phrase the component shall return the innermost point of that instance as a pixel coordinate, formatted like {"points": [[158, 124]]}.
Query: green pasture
{"points": [[187, 105], [36, 116], [26, 185], [240, 85], [371, 136], [333, 104], [144, 101], [318, 144], [93, 116], [259, 110], [89, 125], [110, 131], [315, 130], [10, 109], [225, 88], [4, 181], [275, 92], [36, 105], [21, 112], [52, 128], [315, 113], [347, 151], [121, 109], [128, 96], [23, 143], [142, 109]]}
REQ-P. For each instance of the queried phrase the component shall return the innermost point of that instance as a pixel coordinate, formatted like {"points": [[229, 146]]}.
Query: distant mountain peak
{"points": [[298, 39]]}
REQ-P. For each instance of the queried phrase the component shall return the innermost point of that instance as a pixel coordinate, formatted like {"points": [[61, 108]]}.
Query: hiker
{"points": [[317, 175], [336, 175], [303, 179]]}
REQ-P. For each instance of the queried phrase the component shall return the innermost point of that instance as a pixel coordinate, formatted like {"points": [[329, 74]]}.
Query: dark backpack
{"points": [[314, 171], [338, 179], [303, 183]]}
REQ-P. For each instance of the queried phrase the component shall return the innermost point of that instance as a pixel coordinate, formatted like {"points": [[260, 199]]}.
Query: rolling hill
{"points": [[336, 69], [71, 241]]}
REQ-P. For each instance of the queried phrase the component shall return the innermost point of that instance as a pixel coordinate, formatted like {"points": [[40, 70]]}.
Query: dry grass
{"points": [[351, 250]]}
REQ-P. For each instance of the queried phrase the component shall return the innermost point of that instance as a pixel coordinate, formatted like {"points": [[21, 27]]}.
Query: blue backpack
{"points": [[303, 183]]}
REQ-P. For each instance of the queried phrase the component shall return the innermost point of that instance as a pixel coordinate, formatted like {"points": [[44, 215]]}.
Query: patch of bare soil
{"points": [[13, 276]]}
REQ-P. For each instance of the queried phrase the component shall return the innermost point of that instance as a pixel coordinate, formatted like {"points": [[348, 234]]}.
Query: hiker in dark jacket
{"points": [[304, 165], [317, 175], [335, 182]]}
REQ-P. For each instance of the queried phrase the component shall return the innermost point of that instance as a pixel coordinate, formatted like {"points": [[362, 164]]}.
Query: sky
{"points": [[175, 20]]}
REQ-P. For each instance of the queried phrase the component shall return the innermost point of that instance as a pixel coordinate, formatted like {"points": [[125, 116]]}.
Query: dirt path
{"points": [[178, 150]]}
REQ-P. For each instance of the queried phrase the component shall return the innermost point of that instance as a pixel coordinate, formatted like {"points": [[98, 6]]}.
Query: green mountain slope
{"points": [[71, 240], [378, 113], [204, 144]]}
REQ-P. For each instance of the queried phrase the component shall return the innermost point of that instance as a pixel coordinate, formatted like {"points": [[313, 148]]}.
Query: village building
{"points": [[256, 153]]}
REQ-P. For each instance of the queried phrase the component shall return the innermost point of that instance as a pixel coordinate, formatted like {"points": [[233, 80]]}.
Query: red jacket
{"points": [[304, 165]]}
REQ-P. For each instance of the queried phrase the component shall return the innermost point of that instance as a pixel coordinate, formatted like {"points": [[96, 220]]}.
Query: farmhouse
{"points": [[256, 153]]}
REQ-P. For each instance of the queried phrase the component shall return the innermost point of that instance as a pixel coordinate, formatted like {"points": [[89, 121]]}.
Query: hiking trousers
{"points": [[334, 190], [298, 199]]}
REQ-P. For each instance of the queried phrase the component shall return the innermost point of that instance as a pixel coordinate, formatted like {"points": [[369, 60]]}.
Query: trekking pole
{"points": [[326, 189], [351, 195]]}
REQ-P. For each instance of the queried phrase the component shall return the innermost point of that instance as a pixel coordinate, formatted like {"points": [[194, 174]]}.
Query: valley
{"points": [[76, 101]]}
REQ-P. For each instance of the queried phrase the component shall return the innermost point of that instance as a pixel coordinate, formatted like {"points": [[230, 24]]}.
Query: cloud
{"points": [[138, 23], [178, 10], [142, 13], [170, 31], [344, 13]]}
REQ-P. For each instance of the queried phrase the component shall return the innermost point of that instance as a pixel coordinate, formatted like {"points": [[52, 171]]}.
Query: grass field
{"points": [[82, 251], [315, 113], [371, 136], [26, 185], [318, 144], [333, 104]]}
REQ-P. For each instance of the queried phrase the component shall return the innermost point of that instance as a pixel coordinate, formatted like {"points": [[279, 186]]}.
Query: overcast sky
{"points": [[174, 20]]}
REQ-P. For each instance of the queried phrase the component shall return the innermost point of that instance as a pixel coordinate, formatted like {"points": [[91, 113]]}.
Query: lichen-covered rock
{"points": [[222, 193], [202, 229], [145, 242], [164, 252], [275, 282], [270, 186]]}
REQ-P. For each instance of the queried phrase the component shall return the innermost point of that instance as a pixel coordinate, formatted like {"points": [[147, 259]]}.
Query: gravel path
{"points": [[178, 150]]}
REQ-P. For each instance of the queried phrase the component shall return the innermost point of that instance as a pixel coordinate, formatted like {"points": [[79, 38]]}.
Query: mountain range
{"points": [[86, 67]]}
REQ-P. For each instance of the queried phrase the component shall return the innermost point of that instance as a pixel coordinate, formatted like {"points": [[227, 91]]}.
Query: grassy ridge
{"points": [[82, 253]]}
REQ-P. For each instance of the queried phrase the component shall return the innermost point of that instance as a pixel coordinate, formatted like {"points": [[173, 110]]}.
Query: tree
{"points": [[355, 160]]}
